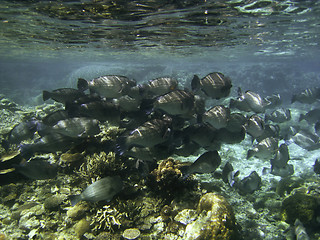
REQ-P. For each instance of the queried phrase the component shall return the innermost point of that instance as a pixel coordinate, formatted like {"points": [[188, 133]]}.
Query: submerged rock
{"points": [[131, 233], [215, 221]]}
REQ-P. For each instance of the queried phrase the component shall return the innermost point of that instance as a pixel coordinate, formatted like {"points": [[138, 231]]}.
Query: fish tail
{"points": [[195, 83], [121, 145], [46, 95], [82, 84], [26, 150], [74, 199], [250, 154], [302, 116]]}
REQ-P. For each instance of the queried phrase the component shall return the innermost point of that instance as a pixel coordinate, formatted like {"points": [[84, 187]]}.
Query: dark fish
{"points": [[158, 86], [109, 86], [236, 122], [306, 140], [270, 130], [248, 101], [103, 189], [100, 110], [149, 134], [214, 85], [208, 162], [255, 126], [250, 183], [264, 149], [48, 144], [317, 128], [272, 101], [72, 127], [132, 120], [279, 116], [217, 116], [52, 118], [177, 102], [310, 95], [127, 103], [279, 164], [225, 136], [63, 95], [37, 169], [149, 154], [316, 167], [22, 131], [204, 135], [311, 117]]}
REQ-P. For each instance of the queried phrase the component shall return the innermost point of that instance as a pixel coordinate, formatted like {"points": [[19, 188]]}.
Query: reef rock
{"points": [[215, 220]]}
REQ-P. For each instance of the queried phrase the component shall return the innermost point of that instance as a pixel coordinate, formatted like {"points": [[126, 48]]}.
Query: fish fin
{"points": [[195, 83], [74, 199], [82, 84], [25, 150], [46, 95]]}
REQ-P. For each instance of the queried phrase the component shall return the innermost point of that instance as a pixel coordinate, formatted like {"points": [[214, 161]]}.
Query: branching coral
{"points": [[107, 218]]}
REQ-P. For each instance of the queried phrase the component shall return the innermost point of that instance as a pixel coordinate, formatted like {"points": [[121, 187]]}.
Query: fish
{"points": [[226, 136], [311, 117], [229, 175], [300, 231], [248, 101], [255, 126], [109, 86], [306, 140], [215, 85], [149, 154], [54, 117], [272, 101], [102, 190], [316, 166], [158, 86], [250, 183], [280, 115], [317, 128], [48, 144], [81, 127], [101, 110], [149, 134], [22, 131], [270, 130], [236, 122], [285, 171], [308, 96], [208, 162], [265, 149], [217, 116], [178, 102], [63, 95], [127, 104], [279, 164], [37, 169]]}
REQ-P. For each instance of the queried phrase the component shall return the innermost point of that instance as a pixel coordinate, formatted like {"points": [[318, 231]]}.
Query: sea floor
{"points": [[40, 209]]}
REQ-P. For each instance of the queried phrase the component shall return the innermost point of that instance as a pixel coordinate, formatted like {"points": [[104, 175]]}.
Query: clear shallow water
{"points": [[266, 46]]}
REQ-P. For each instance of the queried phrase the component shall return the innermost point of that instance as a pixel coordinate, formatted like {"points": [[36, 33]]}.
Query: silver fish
{"points": [[255, 126], [217, 116], [279, 116], [236, 122], [311, 117], [73, 127], [265, 149], [158, 86], [148, 134], [63, 95], [109, 86], [127, 103], [310, 95], [272, 101], [103, 189], [306, 140], [208, 162], [214, 85], [177, 102], [279, 164], [249, 101]]}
